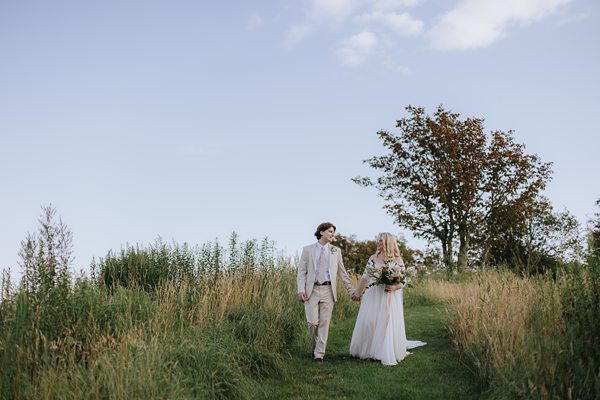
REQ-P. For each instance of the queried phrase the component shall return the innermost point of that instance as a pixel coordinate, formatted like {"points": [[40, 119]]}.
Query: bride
{"points": [[379, 332]]}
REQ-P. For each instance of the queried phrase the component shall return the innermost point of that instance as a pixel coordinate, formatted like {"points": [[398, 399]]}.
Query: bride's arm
{"points": [[359, 289], [362, 284], [392, 288], [400, 261]]}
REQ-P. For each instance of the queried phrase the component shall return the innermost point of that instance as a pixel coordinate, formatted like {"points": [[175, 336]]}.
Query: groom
{"points": [[320, 266]]}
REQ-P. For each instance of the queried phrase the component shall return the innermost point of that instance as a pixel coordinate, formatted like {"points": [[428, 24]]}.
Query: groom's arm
{"points": [[343, 275], [301, 278]]}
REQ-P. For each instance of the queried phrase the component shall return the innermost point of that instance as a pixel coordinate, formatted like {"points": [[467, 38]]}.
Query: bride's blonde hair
{"points": [[390, 245]]}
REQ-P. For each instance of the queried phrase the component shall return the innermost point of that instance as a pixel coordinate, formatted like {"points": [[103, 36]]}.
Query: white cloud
{"points": [[254, 21], [354, 50], [387, 5], [332, 11], [374, 16], [318, 13], [479, 23], [402, 24], [469, 24]]}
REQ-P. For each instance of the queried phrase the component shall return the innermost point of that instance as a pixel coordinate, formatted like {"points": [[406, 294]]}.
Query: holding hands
{"points": [[357, 295]]}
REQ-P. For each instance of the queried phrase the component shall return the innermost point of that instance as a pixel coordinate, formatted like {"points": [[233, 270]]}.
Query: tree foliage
{"points": [[447, 181], [595, 232], [356, 252], [546, 239]]}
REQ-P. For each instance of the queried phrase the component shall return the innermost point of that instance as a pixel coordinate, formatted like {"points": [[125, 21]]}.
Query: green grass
{"points": [[431, 372]]}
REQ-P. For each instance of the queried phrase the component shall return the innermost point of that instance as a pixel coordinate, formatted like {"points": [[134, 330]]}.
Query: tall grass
{"points": [[150, 266], [162, 321], [529, 337]]}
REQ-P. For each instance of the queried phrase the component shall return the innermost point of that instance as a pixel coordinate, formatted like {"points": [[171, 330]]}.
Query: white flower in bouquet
{"points": [[390, 273]]}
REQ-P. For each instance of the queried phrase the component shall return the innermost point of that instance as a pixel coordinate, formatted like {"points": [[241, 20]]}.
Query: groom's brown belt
{"points": [[322, 284]]}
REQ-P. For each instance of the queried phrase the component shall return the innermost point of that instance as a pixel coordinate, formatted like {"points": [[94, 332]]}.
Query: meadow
{"points": [[210, 322], [528, 337]]}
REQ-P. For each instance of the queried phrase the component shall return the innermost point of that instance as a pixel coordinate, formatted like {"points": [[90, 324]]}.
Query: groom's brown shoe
{"points": [[318, 359]]}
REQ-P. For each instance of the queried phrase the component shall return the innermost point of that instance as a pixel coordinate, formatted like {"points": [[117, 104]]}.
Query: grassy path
{"points": [[430, 372]]}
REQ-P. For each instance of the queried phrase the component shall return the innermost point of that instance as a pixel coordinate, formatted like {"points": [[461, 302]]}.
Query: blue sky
{"points": [[189, 120]]}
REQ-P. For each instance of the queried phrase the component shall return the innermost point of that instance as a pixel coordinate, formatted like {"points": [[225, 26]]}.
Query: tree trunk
{"points": [[463, 252], [447, 254], [485, 255]]}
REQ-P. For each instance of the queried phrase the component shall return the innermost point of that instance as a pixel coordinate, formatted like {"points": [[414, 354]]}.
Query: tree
{"points": [[545, 240], [444, 179], [356, 253], [555, 234], [595, 232]]}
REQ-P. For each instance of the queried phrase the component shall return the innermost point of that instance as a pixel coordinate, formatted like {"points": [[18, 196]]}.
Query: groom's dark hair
{"points": [[323, 227]]}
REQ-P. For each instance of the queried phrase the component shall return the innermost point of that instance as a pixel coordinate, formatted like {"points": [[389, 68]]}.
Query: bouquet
{"points": [[390, 273]]}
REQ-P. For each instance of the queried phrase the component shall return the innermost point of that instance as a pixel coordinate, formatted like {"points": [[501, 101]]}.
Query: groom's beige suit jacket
{"points": [[307, 270]]}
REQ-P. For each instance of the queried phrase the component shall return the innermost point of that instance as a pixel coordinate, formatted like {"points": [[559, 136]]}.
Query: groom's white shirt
{"points": [[318, 248], [307, 269]]}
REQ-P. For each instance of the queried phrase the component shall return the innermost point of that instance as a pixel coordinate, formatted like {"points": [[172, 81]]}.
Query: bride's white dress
{"points": [[379, 332]]}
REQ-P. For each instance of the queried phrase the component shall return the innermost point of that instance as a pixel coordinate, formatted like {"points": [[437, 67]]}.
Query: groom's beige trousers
{"points": [[319, 308]]}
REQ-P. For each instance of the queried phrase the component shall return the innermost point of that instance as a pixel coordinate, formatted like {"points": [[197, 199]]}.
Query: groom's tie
{"points": [[322, 275]]}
